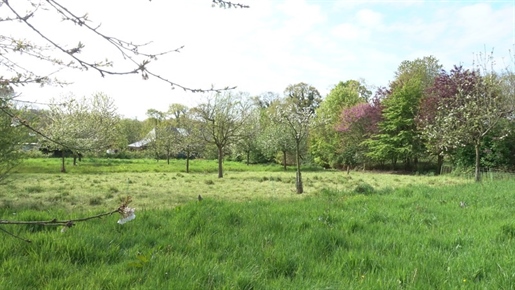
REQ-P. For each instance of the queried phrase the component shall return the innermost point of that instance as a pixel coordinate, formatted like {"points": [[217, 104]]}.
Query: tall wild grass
{"points": [[459, 236]]}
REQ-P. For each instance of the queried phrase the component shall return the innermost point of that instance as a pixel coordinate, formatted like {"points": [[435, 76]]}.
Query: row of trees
{"points": [[426, 113], [236, 123], [227, 122], [70, 125], [35, 57]]}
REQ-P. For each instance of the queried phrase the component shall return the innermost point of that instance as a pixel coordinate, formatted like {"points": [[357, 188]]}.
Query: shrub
{"points": [[34, 153]]}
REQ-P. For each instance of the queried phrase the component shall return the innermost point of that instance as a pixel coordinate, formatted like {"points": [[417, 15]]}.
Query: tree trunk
{"points": [[439, 164], [407, 164], [63, 169], [348, 169], [298, 182], [477, 176], [248, 158], [284, 160], [76, 156], [168, 157], [298, 179], [187, 162], [220, 159]]}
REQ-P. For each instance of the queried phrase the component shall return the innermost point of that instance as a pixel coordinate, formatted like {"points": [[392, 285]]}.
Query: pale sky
{"points": [[274, 43]]}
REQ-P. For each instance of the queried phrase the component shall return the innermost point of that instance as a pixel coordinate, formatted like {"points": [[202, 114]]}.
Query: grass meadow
{"points": [[251, 231]]}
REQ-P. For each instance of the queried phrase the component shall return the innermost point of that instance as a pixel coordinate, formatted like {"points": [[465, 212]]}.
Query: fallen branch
{"points": [[126, 212]]}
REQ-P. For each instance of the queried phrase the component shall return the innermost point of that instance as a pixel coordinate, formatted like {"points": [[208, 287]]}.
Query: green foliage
{"points": [[247, 147], [499, 152], [303, 96], [341, 96], [274, 137], [496, 152], [131, 130], [425, 70], [474, 110], [325, 141], [398, 136], [12, 136], [81, 125]]}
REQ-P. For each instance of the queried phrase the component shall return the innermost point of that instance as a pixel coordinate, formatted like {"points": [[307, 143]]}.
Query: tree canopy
{"points": [[221, 119]]}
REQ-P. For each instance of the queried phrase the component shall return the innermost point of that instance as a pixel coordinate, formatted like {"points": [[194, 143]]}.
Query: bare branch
{"points": [[55, 222], [122, 209], [228, 4], [28, 14], [15, 236], [128, 50], [25, 123]]}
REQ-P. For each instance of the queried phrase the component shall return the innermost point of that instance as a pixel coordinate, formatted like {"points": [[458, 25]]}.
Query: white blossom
{"points": [[128, 215]]}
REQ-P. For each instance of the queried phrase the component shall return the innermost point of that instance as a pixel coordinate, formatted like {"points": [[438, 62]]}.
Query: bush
{"points": [[34, 153], [128, 154]]}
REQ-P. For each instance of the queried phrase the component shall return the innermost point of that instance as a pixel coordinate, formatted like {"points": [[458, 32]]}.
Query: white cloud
{"points": [[348, 31], [369, 18], [482, 24]]}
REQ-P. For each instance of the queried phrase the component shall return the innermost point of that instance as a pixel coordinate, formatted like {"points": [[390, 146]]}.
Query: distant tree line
{"points": [[425, 117]]}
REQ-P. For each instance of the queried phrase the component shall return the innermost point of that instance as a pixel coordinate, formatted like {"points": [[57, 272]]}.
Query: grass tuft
{"points": [[364, 188], [95, 201], [34, 189]]}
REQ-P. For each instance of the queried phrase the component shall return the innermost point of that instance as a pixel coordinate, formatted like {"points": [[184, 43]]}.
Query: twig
{"points": [[123, 209], [229, 4], [56, 222], [28, 126], [15, 236], [128, 50]]}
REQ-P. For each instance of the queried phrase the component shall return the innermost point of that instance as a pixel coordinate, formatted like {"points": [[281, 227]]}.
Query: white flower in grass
{"points": [[128, 215]]}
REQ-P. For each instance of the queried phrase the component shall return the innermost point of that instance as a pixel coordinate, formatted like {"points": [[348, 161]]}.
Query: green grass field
{"points": [[251, 231]]}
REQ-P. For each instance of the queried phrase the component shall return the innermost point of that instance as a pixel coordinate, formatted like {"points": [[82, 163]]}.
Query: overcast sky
{"points": [[274, 43]]}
